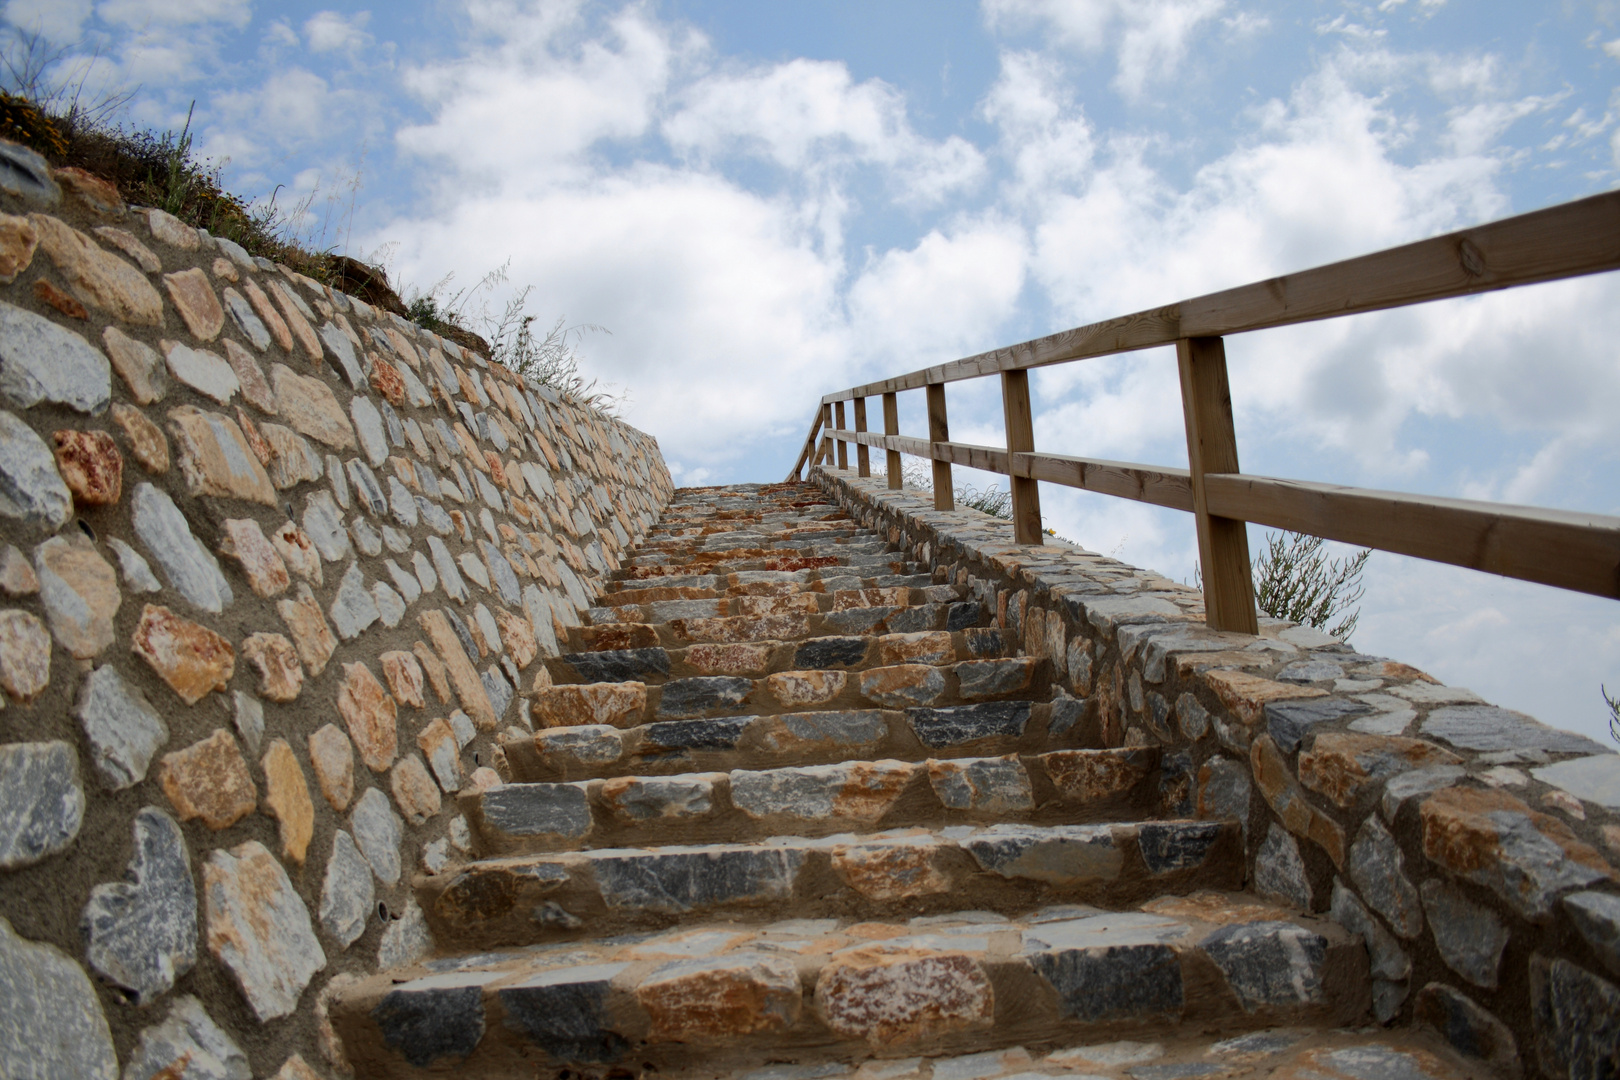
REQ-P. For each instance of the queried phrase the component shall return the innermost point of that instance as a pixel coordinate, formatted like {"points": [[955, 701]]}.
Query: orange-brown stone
{"points": [[1287, 799], [618, 704], [433, 668], [209, 780], [297, 552], [888, 995], [404, 675], [126, 242], [98, 194], [1099, 775], [793, 688], [517, 637], [98, 278], [281, 676], [332, 755], [18, 239], [194, 298], [369, 713], [51, 296], [91, 465], [286, 798], [248, 372], [715, 1001], [414, 790], [463, 676], [387, 382], [242, 539], [928, 647], [215, 457], [739, 659], [25, 656], [267, 313], [146, 440], [1342, 765], [891, 870], [311, 633], [191, 658], [1246, 695]]}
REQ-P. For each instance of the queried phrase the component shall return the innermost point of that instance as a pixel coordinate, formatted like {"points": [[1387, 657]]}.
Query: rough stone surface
{"points": [[311, 408], [52, 1025], [369, 713], [347, 892], [1390, 966], [31, 490], [1110, 968], [241, 539], [1470, 938], [1060, 855], [281, 676], [414, 790], [191, 658], [120, 726], [378, 831], [1344, 765], [195, 300], [286, 798], [146, 440], [209, 780], [1486, 728], [1279, 872], [1470, 1030], [141, 933], [1269, 963], [1576, 1016], [713, 1001], [332, 756], [215, 457], [997, 785], [80, 592], [41, 801], [186, 564], [90, 465], [312, 634], [1595, 779], [187, 1045], [41, 362], [206, 372], [25, 655], [896, 995], [1597, 918], [259, 928], [1379, 871]]}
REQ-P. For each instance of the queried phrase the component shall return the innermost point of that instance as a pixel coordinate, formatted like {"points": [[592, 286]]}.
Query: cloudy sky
{"points": [[762, 202]]}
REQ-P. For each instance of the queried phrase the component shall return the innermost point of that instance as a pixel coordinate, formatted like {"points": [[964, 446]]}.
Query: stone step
{"points": [[1058, 787], [1001, 867], [724, 997], [785, 623], [608, 685], [662, 602], [811, 737]]}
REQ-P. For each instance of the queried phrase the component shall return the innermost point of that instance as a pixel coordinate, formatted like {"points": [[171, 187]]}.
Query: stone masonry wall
{"points": [[1473, 848], [276, 567]]}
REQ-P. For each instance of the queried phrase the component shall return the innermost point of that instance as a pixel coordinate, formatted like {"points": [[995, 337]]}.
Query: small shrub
{"points": [[1295, 580]]}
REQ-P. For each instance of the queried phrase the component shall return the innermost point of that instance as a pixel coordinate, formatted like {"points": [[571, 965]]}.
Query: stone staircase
{"points": [[792, 808]]}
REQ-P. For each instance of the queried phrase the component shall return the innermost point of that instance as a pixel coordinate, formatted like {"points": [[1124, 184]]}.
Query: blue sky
{"points": [[766, 201]]}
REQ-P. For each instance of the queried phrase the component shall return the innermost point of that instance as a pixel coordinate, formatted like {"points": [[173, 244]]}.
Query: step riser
{"points": [[595, 893], [857, 796], [802, 738], [982, 992]]}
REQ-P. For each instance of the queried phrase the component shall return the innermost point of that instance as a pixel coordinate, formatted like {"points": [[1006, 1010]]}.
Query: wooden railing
{"points": [[1569, 550]]}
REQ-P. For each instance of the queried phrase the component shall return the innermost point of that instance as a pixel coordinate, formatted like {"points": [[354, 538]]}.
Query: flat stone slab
{"points": [[141, 932], [1595, 779], [1487, 728], [52, 1025]]}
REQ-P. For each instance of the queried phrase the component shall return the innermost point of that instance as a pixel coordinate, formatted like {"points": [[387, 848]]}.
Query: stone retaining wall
{"points": [[276, 567], [1473, 848]]}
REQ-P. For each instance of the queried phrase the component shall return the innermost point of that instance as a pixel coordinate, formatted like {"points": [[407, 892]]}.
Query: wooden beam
{"points": [[1166, 487], [939, 431], [1223, 542], [1568, 240], [808, 448], [863, 456], [843, 448], [826, 426], [891, 426], [1553, 547], [1026, 491]]}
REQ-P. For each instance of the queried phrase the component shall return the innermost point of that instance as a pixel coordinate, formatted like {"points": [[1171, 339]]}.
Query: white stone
{"points": [[1595, 779], [189, 1045], [207, 373], [122, 728], [137, 571], [41, 361], [191, 568], [31, 489], [368, 425]]}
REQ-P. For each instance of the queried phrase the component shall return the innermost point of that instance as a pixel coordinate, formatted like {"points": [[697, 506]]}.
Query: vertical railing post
{"points": [[891, 426], [863, 453], [843, 447], [1223, 543], [826, 440], [1026, 492], [939, 431]]}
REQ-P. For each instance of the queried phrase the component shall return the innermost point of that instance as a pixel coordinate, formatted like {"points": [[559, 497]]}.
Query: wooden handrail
{"points": [[1568, 550]]}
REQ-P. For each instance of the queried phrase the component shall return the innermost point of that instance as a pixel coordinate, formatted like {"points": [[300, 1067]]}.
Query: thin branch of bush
{"points": [[1614, 713]]}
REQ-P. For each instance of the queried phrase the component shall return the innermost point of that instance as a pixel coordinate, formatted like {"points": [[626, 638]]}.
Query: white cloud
{"points": [[60, 22], [1150, 37], [1043, 130], [330, 31], [142, 13]]}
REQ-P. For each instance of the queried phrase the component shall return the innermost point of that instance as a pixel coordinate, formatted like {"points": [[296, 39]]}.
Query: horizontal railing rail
{"points": [[1568, 550]]}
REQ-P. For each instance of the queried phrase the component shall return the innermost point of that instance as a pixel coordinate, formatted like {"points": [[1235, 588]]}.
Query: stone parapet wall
{"points": [[1473, 848], [277, 570]]}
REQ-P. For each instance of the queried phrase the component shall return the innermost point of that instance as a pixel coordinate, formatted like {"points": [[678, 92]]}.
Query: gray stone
{"points": [[404, 581], [1391, 968], [1597, 917], [41, 361], [1307, 671], [619, 665], [390, 607], [323, 521], [1595, 779], [1059, 855], [1379, 870], [652, 798], [1066, 712], [445, 564], [41, 802], [1192, 717], [501, 573], [340, 483], [121, 727], [190, 568], [31, 489], [590, 744], [141, 933], [676, 879], [249, 718], [1225, 791], [820, 792], [1257, 1045], [1468, 1028], [715, 733], [1486, 727], [487, 627], [402, 503], [688, 698], [488, 491], [1269, 963], [1375, 1062], [551, 810], [27, 175], [259, 929], [1469, 936], [378, 832], [395, 541], [434, 517], [368, 426], [1110, 967], [463, 635], [353, 608], [1576, 1017], [423, 568], [1168, 846], [438, 1018], [366, 539], [996, 785], [1405, 786], [396, 430], [405, 940], [830, 652], [939, 728], [52, 1026], [137, 572], [474, 568], [242, 315], [187, 1044], [565, 1012], [1190, 1070], [499, 691], [1291, 721], [347, 892], [1279, 872], [342, 349], [367, 491]]}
